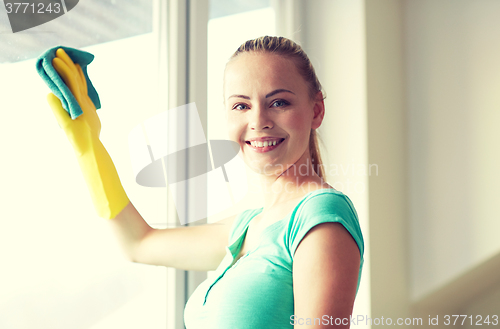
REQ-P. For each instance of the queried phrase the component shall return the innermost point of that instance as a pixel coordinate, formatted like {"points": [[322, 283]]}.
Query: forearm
{"points": [[130, 230], [106, 190], [199, 247]]}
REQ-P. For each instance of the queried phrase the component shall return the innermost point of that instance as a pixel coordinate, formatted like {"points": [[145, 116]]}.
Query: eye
{"points": [[280, 103], [240, 107]]}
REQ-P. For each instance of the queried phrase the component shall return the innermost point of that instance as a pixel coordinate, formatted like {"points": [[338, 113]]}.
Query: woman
{"points": [[294, 262]]}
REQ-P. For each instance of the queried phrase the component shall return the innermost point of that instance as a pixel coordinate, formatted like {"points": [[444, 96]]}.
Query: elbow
{"points": [[129, 256], [136, 252]]}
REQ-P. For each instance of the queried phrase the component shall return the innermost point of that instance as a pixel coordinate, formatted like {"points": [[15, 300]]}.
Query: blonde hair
{"points": [[289, 49]]}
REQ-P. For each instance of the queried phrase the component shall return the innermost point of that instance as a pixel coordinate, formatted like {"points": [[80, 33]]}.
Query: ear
{"points": [[319, 110]]}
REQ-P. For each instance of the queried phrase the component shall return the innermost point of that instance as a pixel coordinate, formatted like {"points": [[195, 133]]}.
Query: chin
{"points": [[266, 168]]}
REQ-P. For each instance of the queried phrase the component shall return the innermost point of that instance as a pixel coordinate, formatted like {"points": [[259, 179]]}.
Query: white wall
{"points": [[453, 88]]}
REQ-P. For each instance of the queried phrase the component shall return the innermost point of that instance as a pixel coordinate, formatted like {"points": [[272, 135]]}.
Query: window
{"points": [[61, 267]]}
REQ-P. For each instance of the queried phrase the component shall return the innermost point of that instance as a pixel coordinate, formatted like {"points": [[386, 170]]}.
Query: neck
{"points": [[295, 182]]}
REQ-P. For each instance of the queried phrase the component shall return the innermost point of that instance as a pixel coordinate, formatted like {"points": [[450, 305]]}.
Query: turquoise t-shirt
{"points": [[257, 291]]}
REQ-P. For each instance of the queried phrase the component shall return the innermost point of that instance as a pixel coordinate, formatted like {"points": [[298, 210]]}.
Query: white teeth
{"points": [[263, 144]]}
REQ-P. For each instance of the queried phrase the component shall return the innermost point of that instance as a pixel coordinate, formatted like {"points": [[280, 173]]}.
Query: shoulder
{"points": [[323, 206], [325, 237], [326, 201]]}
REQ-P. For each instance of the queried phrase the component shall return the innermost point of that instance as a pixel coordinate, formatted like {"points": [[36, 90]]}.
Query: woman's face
{"points": [[270, 112]]}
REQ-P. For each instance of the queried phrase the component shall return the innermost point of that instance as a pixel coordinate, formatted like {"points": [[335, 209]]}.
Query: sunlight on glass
{"points": [[61, 265]]}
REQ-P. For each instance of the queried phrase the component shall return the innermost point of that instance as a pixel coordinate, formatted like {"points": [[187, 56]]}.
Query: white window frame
{"points": [[180, 27]]}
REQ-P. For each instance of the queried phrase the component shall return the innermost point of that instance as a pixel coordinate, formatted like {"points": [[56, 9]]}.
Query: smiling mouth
{"points": [[264, 146]]}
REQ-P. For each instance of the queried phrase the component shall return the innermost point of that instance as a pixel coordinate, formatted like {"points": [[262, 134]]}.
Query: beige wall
{"points": [[387, 146], [453, 67], [414, 87]]}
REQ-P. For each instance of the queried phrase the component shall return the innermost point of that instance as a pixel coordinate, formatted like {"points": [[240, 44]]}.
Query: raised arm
{"points": [[194, 248], [198, 247]]}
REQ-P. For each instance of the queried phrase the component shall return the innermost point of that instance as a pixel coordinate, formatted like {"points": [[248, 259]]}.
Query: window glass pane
{"points": [[220, 8], [90, 22], [223, 40], [61, 265]]}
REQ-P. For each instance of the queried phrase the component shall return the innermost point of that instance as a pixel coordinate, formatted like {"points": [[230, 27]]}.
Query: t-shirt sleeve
{"points": [[324, 208]]}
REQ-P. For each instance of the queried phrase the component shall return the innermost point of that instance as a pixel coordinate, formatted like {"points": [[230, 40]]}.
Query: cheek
{"points": [[234, 129], [299, 126]]}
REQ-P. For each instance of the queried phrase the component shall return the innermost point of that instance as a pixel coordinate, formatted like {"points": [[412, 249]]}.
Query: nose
{"points": [[259, 119]]}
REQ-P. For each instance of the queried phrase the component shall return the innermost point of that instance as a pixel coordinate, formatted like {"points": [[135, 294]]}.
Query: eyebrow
{"points": [[272, 93]]}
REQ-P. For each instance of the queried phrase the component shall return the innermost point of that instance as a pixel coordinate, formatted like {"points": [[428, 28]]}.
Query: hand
{"points": [[98, 169], [86, 128]]}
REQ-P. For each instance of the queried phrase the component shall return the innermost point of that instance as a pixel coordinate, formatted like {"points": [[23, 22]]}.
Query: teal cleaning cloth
{"points": [[56, 83]]}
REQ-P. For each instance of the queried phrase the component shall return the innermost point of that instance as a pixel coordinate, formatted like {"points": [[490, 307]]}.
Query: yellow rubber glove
{"points": [[105, 187]]}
